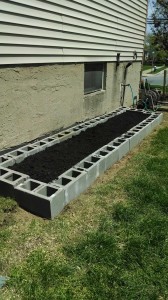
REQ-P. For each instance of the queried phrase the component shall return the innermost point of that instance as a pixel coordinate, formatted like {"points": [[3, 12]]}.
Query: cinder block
{"points": [[112, 156], [73, 181], [153, 121], [123, 146], [3, 172], [52, 140], [18, 155], [109, 116], [119, 111], [40, 145], [91, 123], [132, 109], [157, 118], [148, 113], [82, 127], [103, 119], [6, 161], [134, 138], [29, 150], [147, 127], [97, 119], [142, 130], [96, 161], [90, 165], [113, 114], [78, 129], [160, 118], [101, 162], [139, 135], [10, 179], [64, 135], [96, 164], [31, 185], [88, 124], [142, 110], [45, 200], [123, 108]]}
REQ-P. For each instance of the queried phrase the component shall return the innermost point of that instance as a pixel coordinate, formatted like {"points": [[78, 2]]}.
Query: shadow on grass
{"points": [[125, 258]]}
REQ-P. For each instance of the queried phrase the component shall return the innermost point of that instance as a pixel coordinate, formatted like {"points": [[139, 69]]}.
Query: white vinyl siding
{"points": [[58, 31]]}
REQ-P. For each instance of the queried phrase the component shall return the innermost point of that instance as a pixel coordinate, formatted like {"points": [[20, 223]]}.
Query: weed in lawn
{"points": [[4, 236], [7, 207]]}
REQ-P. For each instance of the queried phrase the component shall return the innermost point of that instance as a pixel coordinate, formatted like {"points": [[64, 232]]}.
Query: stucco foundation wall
{"points": [[37, 100], [104, 101]]}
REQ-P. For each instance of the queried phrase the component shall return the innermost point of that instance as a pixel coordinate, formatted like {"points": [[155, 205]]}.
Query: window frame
{"points": [[95, 67]]}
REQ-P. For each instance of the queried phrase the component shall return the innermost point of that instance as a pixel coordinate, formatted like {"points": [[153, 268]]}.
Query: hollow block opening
{"points": [[3, 172], [27, 148], [64, 181], [3, 159], [103, 153], [13, 177], [47, 191], [74, 174], [30, 185], [95, 159], [110, 148], [16, 153]]}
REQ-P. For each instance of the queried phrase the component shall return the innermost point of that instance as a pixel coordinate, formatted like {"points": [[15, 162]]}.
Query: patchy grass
{"points": [[112, 243]]}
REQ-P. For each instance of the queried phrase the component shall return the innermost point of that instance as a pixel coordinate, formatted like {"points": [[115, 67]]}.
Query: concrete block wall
{"points": [[9, 180], [40, 198], [36, 100]]}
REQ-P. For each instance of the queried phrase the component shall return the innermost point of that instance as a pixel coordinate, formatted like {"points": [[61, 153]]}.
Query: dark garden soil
{"points": [[47, 165]]}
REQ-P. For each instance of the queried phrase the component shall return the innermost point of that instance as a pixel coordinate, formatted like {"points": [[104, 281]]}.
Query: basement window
{"points": [[94, 79]]}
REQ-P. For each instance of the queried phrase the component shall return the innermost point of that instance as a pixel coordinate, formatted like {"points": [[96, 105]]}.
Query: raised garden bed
{"points": [[46, 175], [51, 163]]}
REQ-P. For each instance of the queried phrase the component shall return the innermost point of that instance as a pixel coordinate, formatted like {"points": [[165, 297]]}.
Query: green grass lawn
{"points": [[111, 243], [146, 67], [156, 86], [158, 70], [150, 68]]}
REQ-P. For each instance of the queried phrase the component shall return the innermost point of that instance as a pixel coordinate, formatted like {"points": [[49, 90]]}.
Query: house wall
{"points": [[44, 45], [39, 99], [61, 31]]}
